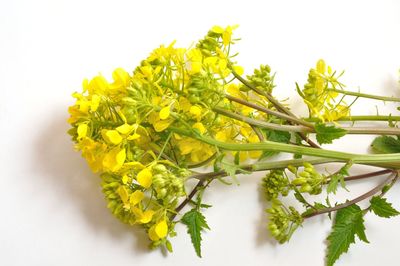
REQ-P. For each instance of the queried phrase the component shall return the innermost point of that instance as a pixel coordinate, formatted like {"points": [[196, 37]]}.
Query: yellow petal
{"points": [[135, 165], [161, 125], [144, 178], [95, 103], [114, 159], [136, 197], [147, 71], [82, 131], [125, 179], [321, 66], [161, 229], [152, 234], [125, 129], [195, 110], [121, 77], [133, 136], [200, 127], [98, 85], [123, 193], [85, 84], [217, 29], [238, 69], [221, 136], [147, 216], [112, 136], [120, 158], [164, 113]]}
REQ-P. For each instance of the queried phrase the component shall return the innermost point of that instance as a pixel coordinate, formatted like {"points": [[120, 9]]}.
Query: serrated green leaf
{"points": [[386, 144], [326, 134], [195, 223], [348, 223], [382, 208], [337, 178]]}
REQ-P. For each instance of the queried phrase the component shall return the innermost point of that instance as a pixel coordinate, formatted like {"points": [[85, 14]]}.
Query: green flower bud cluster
{"points": [[262, 78], [275, 183], [205, 89], [314, 87], [309, 180], [167, 185], [110, 184], [283, 221], [210, 43]]}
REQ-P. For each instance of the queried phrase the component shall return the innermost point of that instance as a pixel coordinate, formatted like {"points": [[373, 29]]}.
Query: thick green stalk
{"points": [[391, 160], [303, 129], [354, 118]]}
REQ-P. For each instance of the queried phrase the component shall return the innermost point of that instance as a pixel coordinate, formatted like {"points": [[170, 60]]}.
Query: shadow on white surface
{"points": [[60, 165]]}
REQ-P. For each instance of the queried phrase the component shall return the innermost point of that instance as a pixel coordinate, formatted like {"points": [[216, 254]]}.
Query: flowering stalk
{"points": [[149, 131]]}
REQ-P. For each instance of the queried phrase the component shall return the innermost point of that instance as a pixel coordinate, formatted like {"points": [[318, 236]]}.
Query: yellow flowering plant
{"points": [[185, 111]]}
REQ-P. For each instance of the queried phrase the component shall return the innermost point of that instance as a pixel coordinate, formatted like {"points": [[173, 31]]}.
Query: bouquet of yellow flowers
{"points": [[150, 131]]}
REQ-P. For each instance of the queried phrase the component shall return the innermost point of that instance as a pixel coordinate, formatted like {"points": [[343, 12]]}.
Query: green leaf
{"points": [[195, 223], [348, 223], [326, 134], [382, 208], [338, 177], [231, 169], [386, 144]]}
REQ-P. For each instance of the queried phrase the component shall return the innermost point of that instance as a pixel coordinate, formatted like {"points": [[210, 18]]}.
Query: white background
{"points": [[52, 210]]}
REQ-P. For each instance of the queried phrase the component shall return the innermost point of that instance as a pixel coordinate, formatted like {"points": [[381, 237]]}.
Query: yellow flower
{"points": [[227, 35], [121, 78], [195, 58], [145, 178], [238, 69], [136, 197], [93, 152], [162, 125], [147, 72], [125, 129], [143, 217], [82, 131], [158, 231], [114, 159], [199, 126], [94, 103], [98, 85], [195, 110], [111, 136], [124, 195], [164, 113]]}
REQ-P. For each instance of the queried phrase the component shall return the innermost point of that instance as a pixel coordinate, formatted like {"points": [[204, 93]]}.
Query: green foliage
{"points": [[386, 144], [195, 222], [326, 134], [382, 208], [348, 223], [338, 177]]}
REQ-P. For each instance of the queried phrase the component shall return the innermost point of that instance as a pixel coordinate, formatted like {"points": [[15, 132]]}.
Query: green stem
{"points": [[269, 111], [365, 95], [391, 160], [364, 196], [353, 118], [303, 129]]}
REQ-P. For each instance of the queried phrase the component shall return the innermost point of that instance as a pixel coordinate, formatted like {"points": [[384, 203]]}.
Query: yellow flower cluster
{"points": [[125, 128], [321, 101]]}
